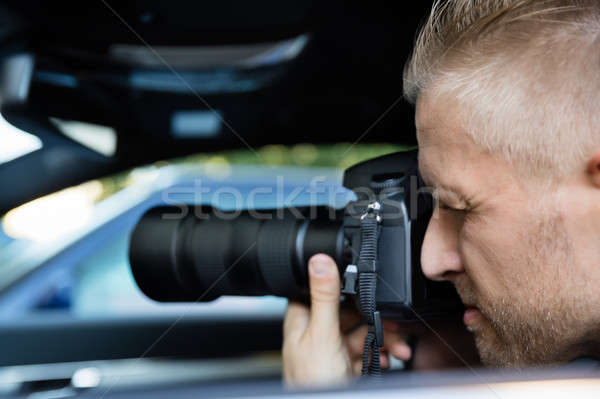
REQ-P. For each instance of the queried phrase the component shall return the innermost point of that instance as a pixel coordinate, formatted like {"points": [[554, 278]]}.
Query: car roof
{"points": [[197, 77]]}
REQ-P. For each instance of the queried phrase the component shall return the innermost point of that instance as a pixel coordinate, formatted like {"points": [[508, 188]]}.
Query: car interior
{"points": [[125, 94]]}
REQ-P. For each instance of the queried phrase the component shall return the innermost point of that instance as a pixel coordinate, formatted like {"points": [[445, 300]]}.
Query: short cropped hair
{"points": [[529, 69]]}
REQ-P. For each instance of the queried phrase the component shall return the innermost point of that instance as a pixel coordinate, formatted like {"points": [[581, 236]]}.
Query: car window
{"points": [[79, 237]]}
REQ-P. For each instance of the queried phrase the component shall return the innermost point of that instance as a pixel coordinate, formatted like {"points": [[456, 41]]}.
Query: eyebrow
{"points": [[430, 180], [443, 190]]}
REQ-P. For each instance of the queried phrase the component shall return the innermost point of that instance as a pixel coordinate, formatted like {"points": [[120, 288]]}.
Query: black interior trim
{"points": [[63, 338]]}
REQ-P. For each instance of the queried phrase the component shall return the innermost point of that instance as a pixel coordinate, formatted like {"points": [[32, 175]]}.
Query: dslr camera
{"points": [[375, 240]]}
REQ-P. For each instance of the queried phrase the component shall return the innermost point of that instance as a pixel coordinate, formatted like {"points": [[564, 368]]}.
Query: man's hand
{"points": [[315, 351]]}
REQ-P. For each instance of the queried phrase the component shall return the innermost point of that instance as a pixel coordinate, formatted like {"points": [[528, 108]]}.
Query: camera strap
{"points": [[367, 285]]}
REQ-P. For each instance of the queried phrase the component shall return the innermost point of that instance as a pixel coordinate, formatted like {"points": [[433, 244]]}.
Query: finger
{"points": [[355, 341], [406, 327], [391, 326], [384, 360], [324, 281], [296, 320], [357, 367], [397, 345]]}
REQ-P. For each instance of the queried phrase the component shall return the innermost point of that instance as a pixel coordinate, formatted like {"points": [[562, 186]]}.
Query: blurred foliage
{"points": [[340, 155]]}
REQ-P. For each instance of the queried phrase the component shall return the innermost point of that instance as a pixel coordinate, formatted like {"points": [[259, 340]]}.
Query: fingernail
{"points": [[402, 352], [319, 266]]}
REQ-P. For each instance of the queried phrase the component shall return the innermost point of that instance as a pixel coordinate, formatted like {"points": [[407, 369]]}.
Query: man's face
{"points": [[512, 250]]}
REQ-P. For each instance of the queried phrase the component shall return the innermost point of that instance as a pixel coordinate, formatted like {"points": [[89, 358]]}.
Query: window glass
{"points": [[78, 238]]}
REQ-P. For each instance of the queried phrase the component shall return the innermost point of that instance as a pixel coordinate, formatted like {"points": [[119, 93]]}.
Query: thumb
{"points": [[324, 282]]}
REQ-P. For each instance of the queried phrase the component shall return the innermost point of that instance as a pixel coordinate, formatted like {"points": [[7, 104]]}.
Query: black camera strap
{"points": [[367, 284]]}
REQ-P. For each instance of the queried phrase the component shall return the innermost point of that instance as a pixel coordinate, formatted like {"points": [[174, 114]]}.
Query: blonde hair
{"points": [[529, 71]]}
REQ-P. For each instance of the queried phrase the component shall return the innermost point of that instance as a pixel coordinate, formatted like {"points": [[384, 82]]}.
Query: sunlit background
{"points": [[15, 142], [50, 217]]}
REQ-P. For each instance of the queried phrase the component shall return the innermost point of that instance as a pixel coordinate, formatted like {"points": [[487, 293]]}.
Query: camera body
{"points": [[191, 257], [403, 292]]}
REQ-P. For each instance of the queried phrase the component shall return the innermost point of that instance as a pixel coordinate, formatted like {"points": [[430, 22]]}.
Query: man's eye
{"points": [[449, 208]]}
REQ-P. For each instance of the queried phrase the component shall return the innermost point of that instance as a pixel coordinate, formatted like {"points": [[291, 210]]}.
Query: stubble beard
{"points": [[535, 322], [515, 336]]}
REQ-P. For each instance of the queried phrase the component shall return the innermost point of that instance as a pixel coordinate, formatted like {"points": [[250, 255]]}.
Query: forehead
{"points": [[448, 157], [439, 113], [443, 142]]}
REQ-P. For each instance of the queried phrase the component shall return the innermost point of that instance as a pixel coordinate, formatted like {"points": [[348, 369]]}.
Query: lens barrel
{"points": [[197, 253]]}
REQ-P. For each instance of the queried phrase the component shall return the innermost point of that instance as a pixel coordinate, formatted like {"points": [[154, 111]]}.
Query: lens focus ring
{"points": [[275, 251]]}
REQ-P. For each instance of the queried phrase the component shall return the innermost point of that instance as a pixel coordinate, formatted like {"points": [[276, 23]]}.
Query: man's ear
{"points": [[593, 168]]}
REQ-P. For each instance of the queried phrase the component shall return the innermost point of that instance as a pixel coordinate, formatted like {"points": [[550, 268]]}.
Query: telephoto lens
{"points": [[198, 253], [204, 253]]}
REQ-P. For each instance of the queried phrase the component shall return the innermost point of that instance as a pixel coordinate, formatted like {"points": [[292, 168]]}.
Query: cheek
{"points": [[489, 247]]}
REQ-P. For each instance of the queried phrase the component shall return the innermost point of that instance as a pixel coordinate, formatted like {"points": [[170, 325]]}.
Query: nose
{"points": [[440, 257]]}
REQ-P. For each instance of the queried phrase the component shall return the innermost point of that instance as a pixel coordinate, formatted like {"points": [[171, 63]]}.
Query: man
{"points": [[507, 96]]}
